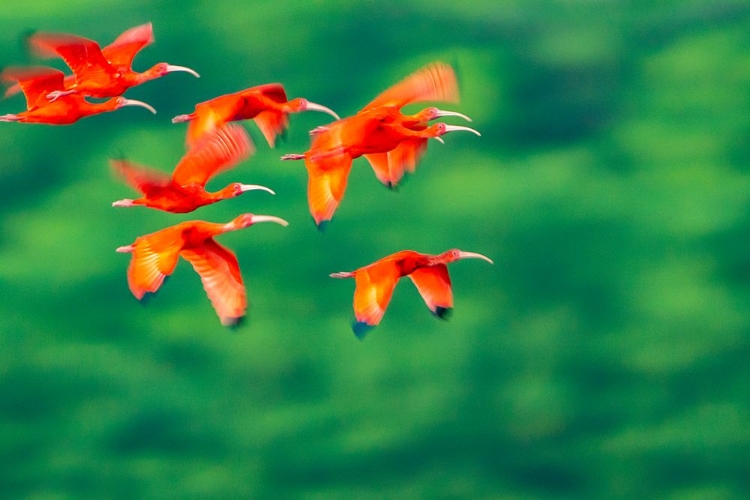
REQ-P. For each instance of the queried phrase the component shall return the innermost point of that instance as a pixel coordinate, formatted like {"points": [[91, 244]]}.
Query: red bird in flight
{"points": [[391, 141], [155, 257], [37, 81], [266, 104], [374, 283], [184, 190], [100, 72]]}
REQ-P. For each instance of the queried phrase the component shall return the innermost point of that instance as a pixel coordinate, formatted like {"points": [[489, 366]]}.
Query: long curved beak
{"points": [[172, 67], [254, 187], [454, 128], [439, 139], [473, 255], [441, 113], [133, 102], [269, 218], [311, 106]]}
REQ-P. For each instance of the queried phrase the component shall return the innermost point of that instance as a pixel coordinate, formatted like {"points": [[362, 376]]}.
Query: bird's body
{"points": [[38, 81], [266, 104], [391, 141], [374, 283], [101, 72], [155, 257], [184, 190]]}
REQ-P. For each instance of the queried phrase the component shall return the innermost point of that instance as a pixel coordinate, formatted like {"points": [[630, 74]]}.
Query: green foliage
{"points": [[604, 355]]}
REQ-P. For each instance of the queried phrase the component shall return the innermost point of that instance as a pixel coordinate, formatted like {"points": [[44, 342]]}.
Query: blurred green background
{"points": [[604, 355]]}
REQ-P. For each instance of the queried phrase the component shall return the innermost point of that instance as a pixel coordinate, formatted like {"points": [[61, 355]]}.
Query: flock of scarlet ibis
{"points": [[391, 141]]}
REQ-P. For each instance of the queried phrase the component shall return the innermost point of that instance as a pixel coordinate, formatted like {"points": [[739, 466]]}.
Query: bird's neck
{"points": [[222, 194]]}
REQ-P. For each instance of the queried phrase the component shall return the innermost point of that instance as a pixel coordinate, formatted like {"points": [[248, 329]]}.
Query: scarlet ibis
{"points": [[267, 104], [391, 141], [374, 283], [155, 257], [328, 165], [184, 190], [101, 72], [37, 81]]}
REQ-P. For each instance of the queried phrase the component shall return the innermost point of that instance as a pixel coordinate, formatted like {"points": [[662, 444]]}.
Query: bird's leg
{"points": [[344, 274], [123, 203], [125, 249], [181, 118], [9, 118], [319, 130], [56, 94], [293, 156], [327, 154]]}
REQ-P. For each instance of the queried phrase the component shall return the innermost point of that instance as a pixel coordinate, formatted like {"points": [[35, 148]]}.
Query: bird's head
{"points": [[162, 69], [443, 128], [455, 254], [119, 102], [237, 188], [301, 104], [432, 113], [247, 220]]}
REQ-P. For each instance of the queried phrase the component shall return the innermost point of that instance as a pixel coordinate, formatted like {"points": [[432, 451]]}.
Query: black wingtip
{"points": [[281, 137], [234, 324], [443, 312], [360, 329], [148, 296], [322, 225]]}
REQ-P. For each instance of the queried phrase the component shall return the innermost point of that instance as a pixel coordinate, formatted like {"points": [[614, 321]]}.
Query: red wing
{"points": [[35, 82], [379, 163], [154, 258], [326, 184], [434, 286], [272, 123], [374, 289], [122, 51], [84, 56], [273, 91], [434, 82], [142, 179], [404, 158], [221, 278], [219, 151]]}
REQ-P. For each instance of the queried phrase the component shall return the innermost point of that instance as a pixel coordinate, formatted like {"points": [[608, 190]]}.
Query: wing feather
{"points": [[154, 258], [219, 151], [122, 51], [434, 82], [327, 178], [434, 286], [220, 274], [404, 158], [35, 82], [82, 55], [140, 178], [374, 288]]}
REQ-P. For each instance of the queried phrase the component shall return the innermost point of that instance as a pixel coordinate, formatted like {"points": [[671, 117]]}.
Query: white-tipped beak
{"points": [[454, 128], [255, 187], [180, 118], [473, 255], [311, 106], [439, 139], [269, 218], [133, 102], [172, 67], [125, 249], [441, 112]]}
